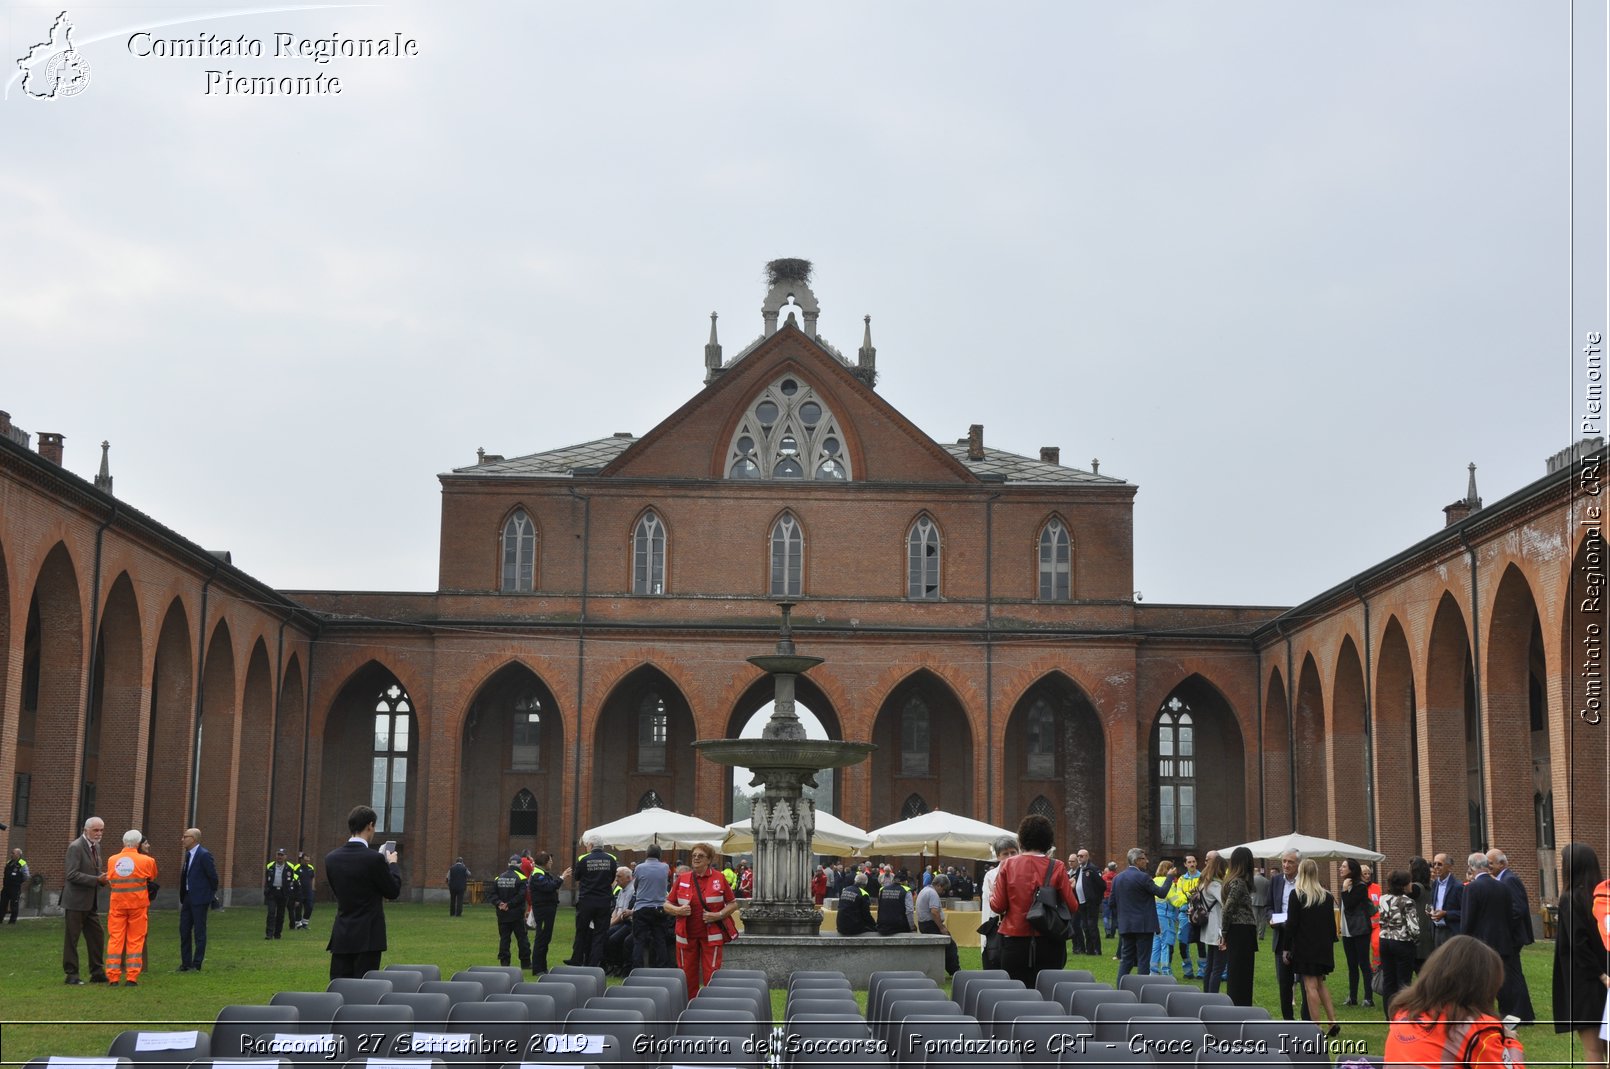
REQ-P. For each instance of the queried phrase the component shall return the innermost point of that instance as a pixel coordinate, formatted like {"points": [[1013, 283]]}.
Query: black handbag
{"points": [[1048, 915]]}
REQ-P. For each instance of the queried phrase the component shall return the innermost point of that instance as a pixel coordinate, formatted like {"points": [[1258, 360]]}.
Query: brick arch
{"points": [[345, 762], [807, 693], [1347, 742], [1398, 801], [1517, 753], [1219, 798], [1452, 764], [1068, 768], [1308, 746], [622, 765], [290, 725], [1580, 797], [213, 799], [1277, 814], [169, 736], [50, 727], [360, 661], [610, 677], [828, 688], [950, 750], [256, 742], [491, 771], [117, 709], [955, 680]]}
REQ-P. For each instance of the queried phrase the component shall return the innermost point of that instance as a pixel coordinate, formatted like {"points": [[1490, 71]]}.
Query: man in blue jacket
{"points": [[1134, 898], [198, 886]]}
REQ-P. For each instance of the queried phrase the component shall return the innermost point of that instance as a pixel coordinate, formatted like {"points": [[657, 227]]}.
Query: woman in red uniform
{"points": [[701, 901], [1446, 1016]]}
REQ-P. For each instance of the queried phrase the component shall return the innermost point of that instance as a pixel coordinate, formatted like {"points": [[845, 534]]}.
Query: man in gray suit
{"points": [[80, 900]]}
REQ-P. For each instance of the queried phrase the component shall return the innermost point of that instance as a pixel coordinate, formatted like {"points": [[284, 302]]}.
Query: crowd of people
{"points": [[1440, 955]]}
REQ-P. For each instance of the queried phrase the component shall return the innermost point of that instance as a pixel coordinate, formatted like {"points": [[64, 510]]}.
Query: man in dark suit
{"points": [[1487, 908], [1447, 900], [1134, 900], [80, 900], [1281, 887], [361, 879], [1519, 996], [198, 886], [458, 879], [1089, 888]]}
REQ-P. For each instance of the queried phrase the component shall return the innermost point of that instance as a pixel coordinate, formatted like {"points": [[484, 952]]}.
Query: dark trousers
{"points": [[192, 929], [1514, 997], [1135, 952], [293, 906], [1109, 921], [953, 961], [307, 906], [354, 965], [1285, 979], [455, 902], [1241, 947], [1212, 968], [1087, 930], [1397, 970], [1357, 949], [87, 922], [651, 938], [592, 925], [1023, 956], [511, 924], [9, 900], [275, 920], [543, 915]]}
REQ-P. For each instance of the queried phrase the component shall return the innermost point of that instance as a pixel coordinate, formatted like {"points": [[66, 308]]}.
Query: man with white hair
{"points": [[594, 872], [127, 874], [80, 900]]}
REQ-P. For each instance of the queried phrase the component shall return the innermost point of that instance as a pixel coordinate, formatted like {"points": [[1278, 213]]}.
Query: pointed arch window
{"points": [[523, 815], [1056, 562], [388, 783], [788, 433], [653, 731], [1041, 807], [922, 559], [915, 745], [1042, 741], [526, 747], [787, 556], [651, 800], [648, 555], [914, 807], [1176, 775], [519, 554]]}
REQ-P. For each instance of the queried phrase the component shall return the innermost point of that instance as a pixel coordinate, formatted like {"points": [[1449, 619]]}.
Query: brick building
{"points": [[595, 604]]}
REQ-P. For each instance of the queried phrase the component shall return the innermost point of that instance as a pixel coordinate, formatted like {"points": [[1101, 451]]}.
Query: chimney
{"points": [[1050, 454], [50, 446], [1095, 465], [975, 442]]}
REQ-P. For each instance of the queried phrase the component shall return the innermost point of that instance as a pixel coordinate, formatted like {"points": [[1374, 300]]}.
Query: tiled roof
{"points": [[999, 464], [556, 462]]}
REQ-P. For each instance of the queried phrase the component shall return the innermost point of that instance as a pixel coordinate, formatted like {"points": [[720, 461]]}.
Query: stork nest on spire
{"points": [[788, 270]]}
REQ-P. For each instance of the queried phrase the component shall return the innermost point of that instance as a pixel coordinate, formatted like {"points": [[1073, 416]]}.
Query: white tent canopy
{"points": [[832, 836], [1310, 846], [939, 834], [659, 826]]}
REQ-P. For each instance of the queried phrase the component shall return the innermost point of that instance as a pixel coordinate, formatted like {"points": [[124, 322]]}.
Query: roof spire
{"points": [[103, 481], [712, 354], [1472, 498], [866, 367]]}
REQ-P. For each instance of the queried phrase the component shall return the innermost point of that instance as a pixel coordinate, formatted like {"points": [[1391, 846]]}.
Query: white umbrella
{"points": [[938, 833], [660, 826], [832, 836], [1311, 846]]}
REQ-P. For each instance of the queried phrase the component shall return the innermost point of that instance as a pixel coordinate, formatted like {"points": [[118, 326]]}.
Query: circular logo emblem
{"points": [[124, 866], [66, 74]]}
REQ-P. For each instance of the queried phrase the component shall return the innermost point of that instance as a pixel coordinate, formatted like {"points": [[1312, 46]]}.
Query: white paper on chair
{"points": [[62, 1061], [165, 1040]]}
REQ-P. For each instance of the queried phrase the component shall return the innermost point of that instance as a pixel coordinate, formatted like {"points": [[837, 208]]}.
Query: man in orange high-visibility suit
{"points": [[127, 873]]}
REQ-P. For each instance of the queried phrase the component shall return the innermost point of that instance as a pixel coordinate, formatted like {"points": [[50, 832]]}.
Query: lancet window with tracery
{"points": [[788, 433]]}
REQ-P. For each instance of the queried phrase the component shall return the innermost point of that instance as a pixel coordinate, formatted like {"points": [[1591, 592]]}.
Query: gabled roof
{"points": [[999, 465], [584, 458]]}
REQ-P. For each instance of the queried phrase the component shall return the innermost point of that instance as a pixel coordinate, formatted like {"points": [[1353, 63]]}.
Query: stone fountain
{"points": [[781, 924]]}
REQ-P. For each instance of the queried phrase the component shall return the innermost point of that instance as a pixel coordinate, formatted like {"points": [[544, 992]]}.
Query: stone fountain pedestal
{"points": [[781, 925]]}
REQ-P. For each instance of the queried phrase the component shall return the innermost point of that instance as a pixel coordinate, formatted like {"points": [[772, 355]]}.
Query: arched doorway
{"points": [[1454, 764], [48, 726], [1277, 814], [115, 709], [643, 742], [173, 702], [1198, 796], [748, 720], [371, 756], [511, 777], [925, 748], [1518, 734], [1349, 743], [1398, 803], [1056, 755], [1308, 743], [1582, 780]]}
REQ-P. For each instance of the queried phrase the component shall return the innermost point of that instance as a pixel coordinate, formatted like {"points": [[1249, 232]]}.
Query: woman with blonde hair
{"points": [[1311, 937], [1446, 1016], [1167, 924]]}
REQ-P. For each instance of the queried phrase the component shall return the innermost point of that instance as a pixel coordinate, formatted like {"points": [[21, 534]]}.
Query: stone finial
{"points": [[712, 354], [480, 455], [103, 480], [1472, 498], [1095, 465]]}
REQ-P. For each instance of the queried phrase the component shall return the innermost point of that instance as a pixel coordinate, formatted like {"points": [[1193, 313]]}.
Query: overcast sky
{"points": [[1286, 267]]}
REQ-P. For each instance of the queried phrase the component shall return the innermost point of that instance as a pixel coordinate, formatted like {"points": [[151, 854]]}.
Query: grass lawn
{"points": [[40, 1015]]}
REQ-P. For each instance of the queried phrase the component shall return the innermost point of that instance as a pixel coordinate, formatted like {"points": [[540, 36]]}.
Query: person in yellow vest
{"points": [[16, 879], [1186, 930], [128, 876]]}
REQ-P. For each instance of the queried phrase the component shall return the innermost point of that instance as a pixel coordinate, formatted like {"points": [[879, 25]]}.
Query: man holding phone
{"points": [[361, 879]]}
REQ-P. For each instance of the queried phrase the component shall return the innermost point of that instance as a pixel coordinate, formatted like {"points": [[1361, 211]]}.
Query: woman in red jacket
{"points": [[1024, 951]]}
